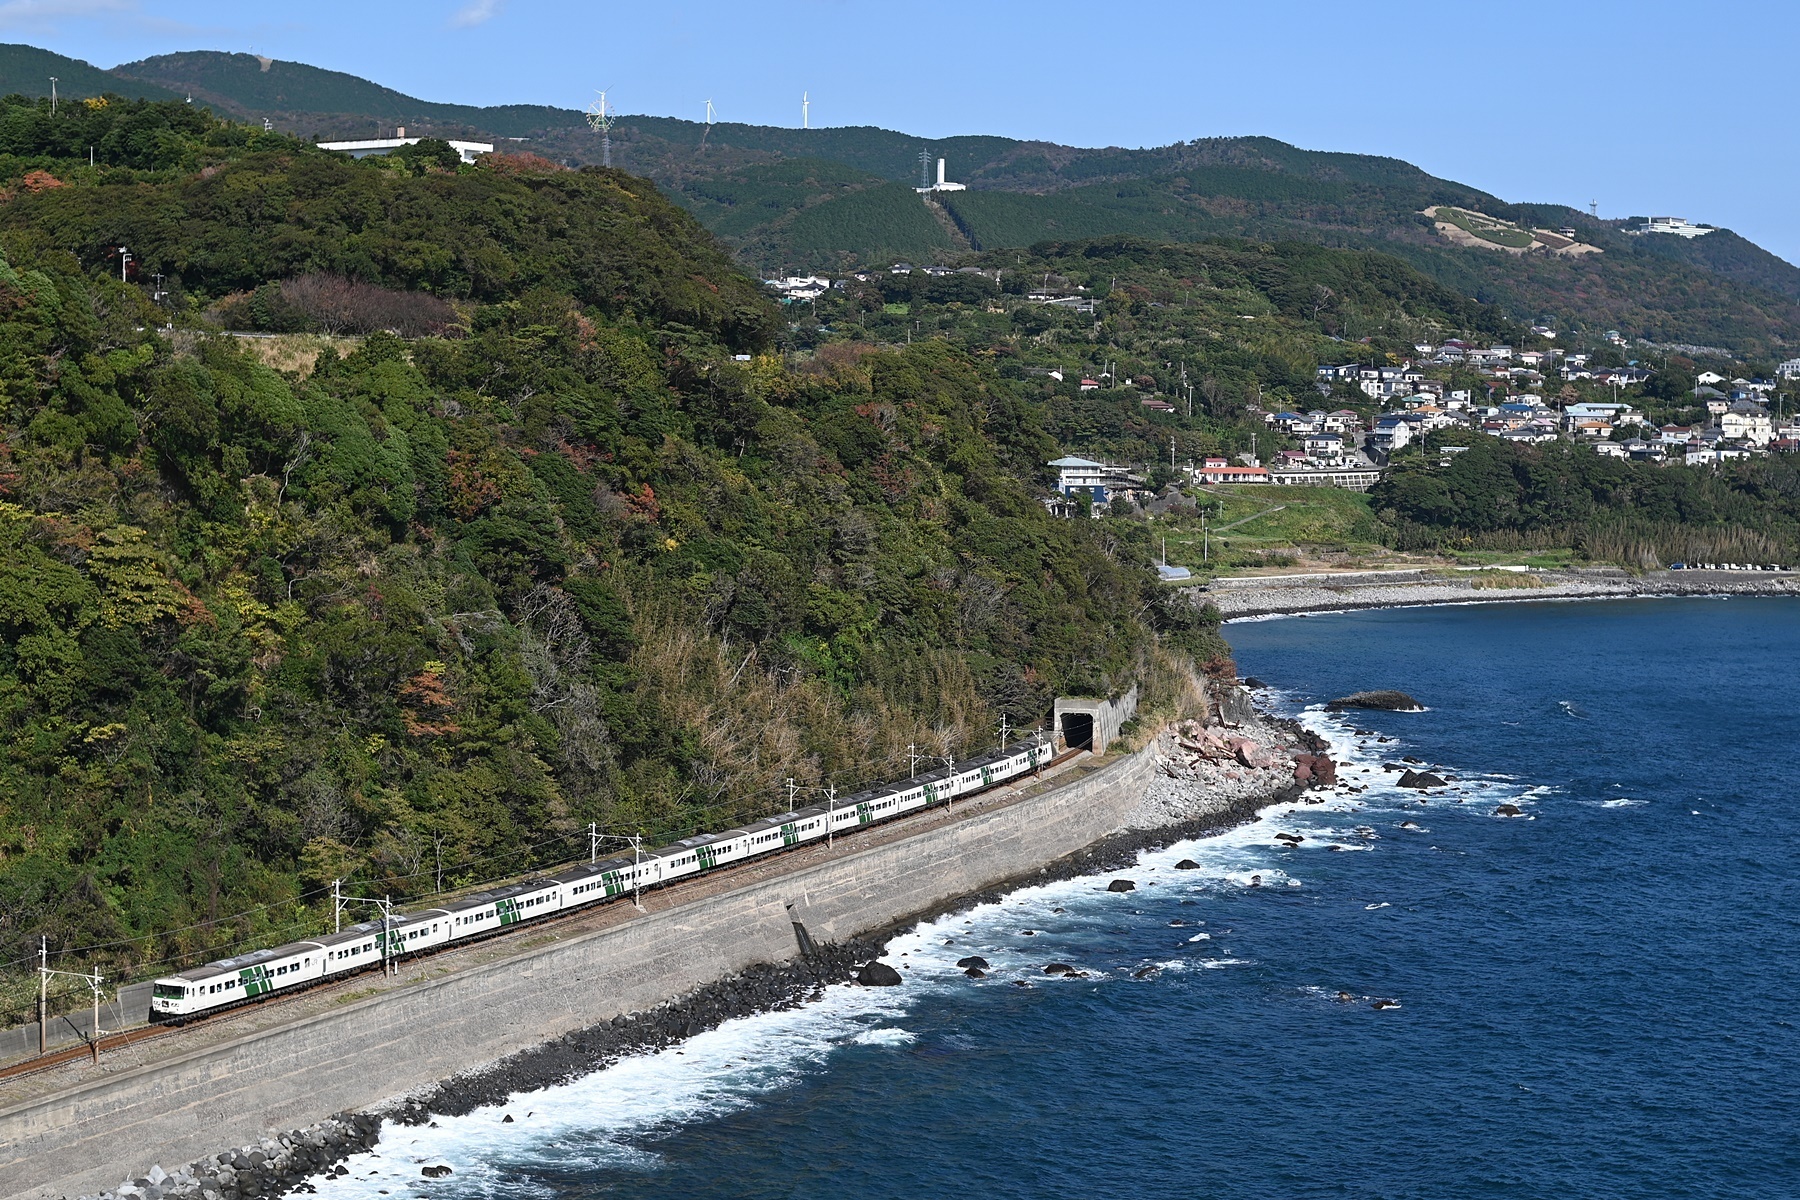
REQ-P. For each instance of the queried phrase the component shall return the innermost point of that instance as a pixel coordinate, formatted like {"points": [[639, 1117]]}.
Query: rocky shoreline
{"points": [[1264, 596], [1209, 780]]}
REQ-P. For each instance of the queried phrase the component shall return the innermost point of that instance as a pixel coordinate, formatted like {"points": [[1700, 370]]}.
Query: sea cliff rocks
{"points": [[1316, 769], [1420, 779], [1384, 701], [878, 974], [273, 1167], [1121, 885]]}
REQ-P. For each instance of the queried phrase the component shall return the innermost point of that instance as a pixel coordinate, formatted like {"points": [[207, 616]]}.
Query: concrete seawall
{"points": [[89, 1137]]}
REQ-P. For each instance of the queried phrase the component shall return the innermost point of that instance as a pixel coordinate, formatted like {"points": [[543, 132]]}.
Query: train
{"points": [[251, 977]]}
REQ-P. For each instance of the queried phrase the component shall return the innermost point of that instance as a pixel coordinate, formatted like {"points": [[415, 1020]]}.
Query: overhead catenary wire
{"points": [[300, 926]]}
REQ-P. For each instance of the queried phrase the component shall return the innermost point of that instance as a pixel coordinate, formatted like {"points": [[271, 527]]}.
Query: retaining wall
{"points": [[217, 1096]]}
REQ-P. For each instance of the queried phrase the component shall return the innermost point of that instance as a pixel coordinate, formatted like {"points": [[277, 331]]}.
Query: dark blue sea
{"points": [[1596, 999]]}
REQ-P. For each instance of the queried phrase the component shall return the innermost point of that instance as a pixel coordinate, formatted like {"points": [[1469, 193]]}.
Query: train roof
{"points": [[239, 962]]}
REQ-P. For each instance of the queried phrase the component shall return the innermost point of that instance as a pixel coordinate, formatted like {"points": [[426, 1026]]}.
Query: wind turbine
{"points": [[805, 111], [707, 132], [600, 119]]}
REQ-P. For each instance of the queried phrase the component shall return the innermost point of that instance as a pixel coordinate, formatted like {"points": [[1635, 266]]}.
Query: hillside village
{"points": [[1368, 414]]}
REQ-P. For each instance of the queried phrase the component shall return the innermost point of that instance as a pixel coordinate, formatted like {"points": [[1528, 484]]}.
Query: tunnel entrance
{"points": [[1078, 730]]}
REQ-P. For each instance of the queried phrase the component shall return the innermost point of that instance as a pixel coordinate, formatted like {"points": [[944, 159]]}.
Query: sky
{"points": [[1647, 107]]}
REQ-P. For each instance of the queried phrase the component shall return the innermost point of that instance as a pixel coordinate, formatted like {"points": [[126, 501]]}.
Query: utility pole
{"points": [[912, 753], [830, 814], [337, 906], [124, 259], [950, 800], [792, 787], [93, 981], [1005, 729], [593, 842], [53, 95]]}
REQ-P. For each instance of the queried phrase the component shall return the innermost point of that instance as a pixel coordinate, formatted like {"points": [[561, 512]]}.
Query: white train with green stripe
{"points": [[250, 977]]}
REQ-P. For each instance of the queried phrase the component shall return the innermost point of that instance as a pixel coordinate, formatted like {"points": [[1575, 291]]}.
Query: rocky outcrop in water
{"points": [[1382, 701]]}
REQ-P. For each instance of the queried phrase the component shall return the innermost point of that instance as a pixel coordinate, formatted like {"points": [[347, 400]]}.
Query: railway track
{"points": [[145, 1033]]}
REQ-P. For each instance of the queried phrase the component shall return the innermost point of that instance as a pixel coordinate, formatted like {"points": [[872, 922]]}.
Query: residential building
{"points": [[1216, 471]]}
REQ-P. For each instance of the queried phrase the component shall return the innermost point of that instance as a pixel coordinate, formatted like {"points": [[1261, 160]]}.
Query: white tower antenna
{"points": [[53, 95], [805, 111], [1594, 209], [600, 119]]}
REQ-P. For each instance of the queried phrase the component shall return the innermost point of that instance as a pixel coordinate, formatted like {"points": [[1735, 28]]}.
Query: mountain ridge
{"points": [[764, 192]]}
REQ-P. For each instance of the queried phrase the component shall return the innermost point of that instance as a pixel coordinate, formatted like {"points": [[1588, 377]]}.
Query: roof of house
{"points": [[1072, 461]]}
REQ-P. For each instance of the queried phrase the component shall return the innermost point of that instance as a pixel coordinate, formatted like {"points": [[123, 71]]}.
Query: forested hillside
{"points": [[415, 616], [836, 198]]}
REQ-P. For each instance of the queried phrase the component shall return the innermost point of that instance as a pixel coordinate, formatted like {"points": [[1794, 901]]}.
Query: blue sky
{"points": [[1648, 107]]}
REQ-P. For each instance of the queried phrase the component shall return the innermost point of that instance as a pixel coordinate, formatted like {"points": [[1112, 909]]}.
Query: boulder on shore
{"points": [[1384, 701], [1419, 779], [1121, 885], [974, 960], [1316, 769], [1187, 864], [1509, 810], [878, 974]]}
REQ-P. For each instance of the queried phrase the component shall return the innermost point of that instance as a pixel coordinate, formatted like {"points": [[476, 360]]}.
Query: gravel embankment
{"points": [[1275, 595]]}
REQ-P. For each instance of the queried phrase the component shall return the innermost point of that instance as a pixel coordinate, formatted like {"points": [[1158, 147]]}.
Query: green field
{"points": [[1487, 229], [1273, 526]]}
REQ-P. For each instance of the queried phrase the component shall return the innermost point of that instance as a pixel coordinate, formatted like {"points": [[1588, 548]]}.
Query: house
{"points": [[1085, 477], [1789, 369], [1747, 422], [1295, 423], [1708, 378], [1327, 447], [1390, 434], [1090, 385], [800, 287], [1593, 430], [1610, 449], [1154, 404]]}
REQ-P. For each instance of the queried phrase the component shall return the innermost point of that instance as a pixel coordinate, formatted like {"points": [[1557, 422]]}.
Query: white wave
{"points": [[594, 1120], [609, 1120], [1373, 907]]}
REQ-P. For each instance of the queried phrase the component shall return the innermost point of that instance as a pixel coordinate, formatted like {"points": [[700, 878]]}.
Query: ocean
{"points": [[1594, 999]]}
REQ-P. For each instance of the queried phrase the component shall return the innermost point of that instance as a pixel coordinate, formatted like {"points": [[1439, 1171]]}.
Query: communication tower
{"points": [[805, 111], [600, 119]]}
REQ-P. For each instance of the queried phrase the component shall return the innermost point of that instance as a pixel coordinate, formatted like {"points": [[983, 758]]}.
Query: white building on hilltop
{"points": [[1676, 225], [368, 146], [941, 185]]}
